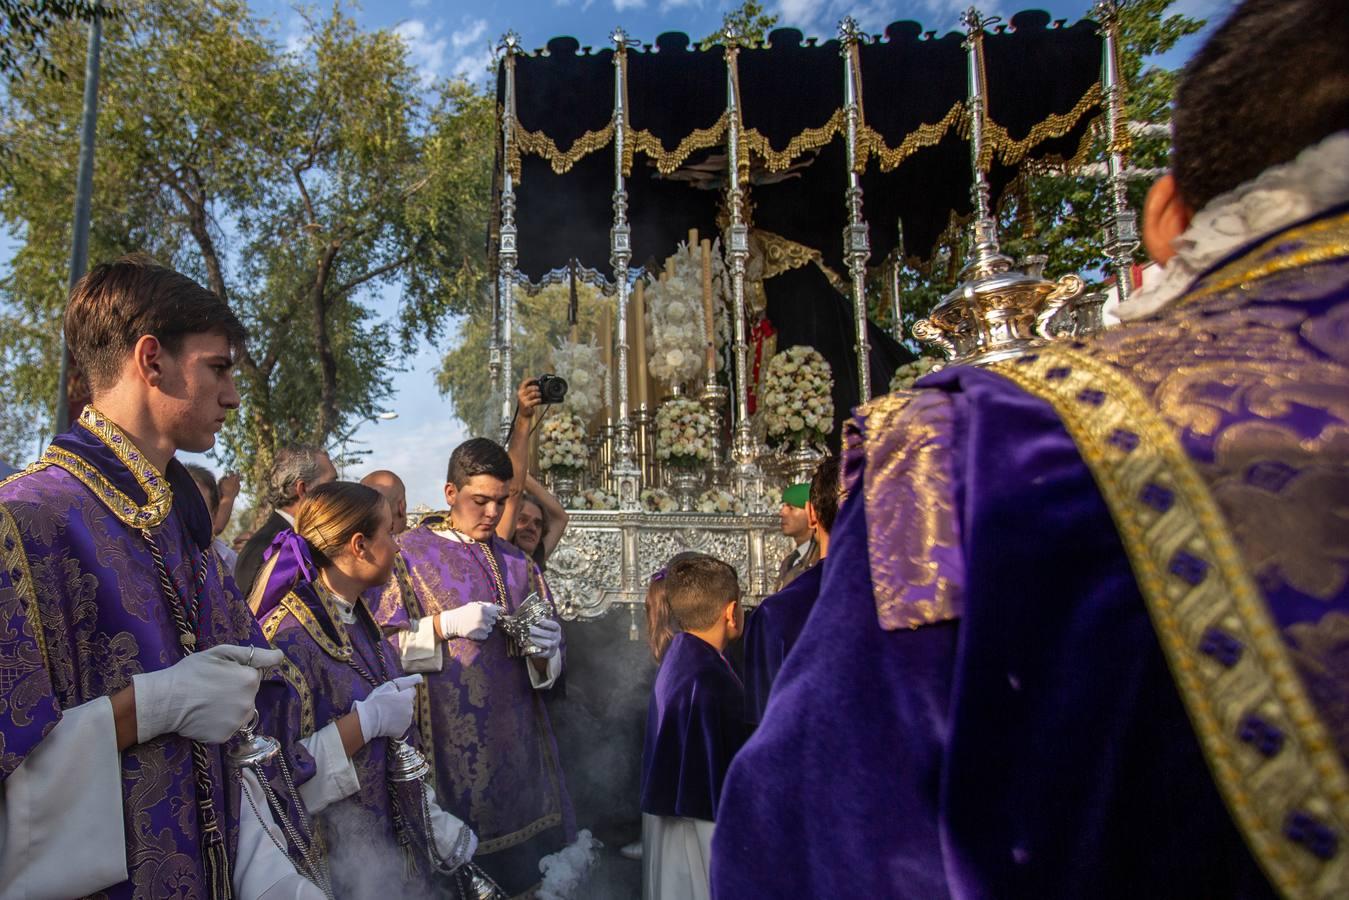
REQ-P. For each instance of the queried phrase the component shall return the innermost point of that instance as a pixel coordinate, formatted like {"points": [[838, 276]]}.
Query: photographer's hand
{"points": [[528, 397]]}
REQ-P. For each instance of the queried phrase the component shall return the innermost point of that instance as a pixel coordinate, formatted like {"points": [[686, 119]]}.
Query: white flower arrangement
{"points": [[582, 366], [658, 500], [908, 373], [675, 315], [716, 500], [562, 444], [683, 432], [595, 498], [797, 401]]}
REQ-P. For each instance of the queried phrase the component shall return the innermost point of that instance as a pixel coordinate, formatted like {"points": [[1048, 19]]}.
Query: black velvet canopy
{"points": [[1043, 95]]}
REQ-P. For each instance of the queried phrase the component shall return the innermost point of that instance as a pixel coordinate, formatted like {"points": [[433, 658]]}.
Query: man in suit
{"points": [[796, 525], [297, 470]]}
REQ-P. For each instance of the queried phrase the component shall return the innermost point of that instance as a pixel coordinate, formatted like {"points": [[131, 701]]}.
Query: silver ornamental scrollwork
{"points": [[580, 569]]}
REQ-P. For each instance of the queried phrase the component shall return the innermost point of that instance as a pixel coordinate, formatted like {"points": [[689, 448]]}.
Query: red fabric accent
{"points": [[762, 331]]}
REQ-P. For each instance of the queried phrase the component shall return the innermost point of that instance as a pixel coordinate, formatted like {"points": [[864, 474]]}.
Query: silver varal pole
{"points": [[84, 190], [627, 477], [987, 258], [856, 239], [748, 479], [507, 251], [1121, 230]]}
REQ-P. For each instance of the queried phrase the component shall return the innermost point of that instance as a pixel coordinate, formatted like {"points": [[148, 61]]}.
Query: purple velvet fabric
{"points": [[496, 757], [770, 634], [90, 580], [1036, 746], [694, 727], [359, 835]]}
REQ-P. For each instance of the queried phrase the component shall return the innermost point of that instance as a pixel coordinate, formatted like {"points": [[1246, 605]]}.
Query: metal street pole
{"points": [[84, 188]]}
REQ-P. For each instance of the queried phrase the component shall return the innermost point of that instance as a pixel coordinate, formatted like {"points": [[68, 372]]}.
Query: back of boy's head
{"points": [[699, 589], [824, 492]]}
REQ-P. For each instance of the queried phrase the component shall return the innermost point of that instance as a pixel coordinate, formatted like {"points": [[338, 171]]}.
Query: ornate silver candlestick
{"points": [[996, 312]]}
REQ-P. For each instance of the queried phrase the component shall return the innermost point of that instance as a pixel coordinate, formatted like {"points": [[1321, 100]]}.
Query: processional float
{"points": [[787, 165]]}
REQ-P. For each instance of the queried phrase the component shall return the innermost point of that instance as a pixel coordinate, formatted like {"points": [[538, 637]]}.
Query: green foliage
{"points": [[26, 24], [750, 20], [300, 186], [540, 325]]}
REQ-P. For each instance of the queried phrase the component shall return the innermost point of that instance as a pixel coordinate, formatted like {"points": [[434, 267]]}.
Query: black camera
{"points": [[552, 388]]}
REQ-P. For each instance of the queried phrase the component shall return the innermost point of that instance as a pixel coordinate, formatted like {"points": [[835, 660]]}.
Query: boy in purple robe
{"points": [[126, 655], [496, 762], [694, 724], [773, 628], [352, 699], [1083, 628]]}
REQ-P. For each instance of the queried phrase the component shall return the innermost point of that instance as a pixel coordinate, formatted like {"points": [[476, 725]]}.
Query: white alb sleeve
{"points": [[262, 871], [67, 793], [335, 775], [419, 648], [544, 682]]}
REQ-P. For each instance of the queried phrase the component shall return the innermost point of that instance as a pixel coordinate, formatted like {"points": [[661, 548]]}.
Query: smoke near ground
{"points": [[565, 871]]}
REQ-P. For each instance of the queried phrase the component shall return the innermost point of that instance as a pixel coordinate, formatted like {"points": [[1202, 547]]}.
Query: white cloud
{"points": [[667, 5], [625, 5], [473, 51], [426, 48], [470, 33]]}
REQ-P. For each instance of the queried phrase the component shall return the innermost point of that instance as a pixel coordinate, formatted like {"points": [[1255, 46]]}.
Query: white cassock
{"points": [[62, 828], [676, 857]]}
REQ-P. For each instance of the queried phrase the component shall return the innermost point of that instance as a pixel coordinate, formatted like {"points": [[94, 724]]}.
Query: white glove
{"points": [[205, 697], [472, 620], [547, 636], [446, 829], [387, 711]]}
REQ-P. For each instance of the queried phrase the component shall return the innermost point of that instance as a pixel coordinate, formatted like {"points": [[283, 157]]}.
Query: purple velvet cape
{"points": [[75, 565], [694, 726], [496, 760], [987, 712], [357, 832], [770, 634]]}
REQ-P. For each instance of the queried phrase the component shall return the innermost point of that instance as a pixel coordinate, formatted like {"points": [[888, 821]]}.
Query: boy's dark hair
{"points": [[824, 491], [1268, 83], [206, 478], [479, 456], [117, 303], [698, 590]]}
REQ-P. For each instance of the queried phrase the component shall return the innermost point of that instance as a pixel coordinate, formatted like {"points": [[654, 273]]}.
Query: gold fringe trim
{"points": [[810, 139], [870, 141], [536, 143], [1010, 151], [644, 141]]}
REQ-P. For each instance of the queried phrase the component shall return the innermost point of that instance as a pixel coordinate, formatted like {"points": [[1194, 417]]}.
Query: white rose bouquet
{"points": [[658, 500], [582, 366], [596, 498], [562, 445], [683, 433], [716, 500], [675, 315], [797, 400], [908, 373]]}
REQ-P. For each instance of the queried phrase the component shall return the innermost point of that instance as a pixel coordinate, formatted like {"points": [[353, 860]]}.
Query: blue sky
{"points": [[456, 38]]}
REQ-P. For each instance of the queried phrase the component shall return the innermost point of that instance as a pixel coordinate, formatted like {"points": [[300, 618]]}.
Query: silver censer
{"points": [[407, 766]]}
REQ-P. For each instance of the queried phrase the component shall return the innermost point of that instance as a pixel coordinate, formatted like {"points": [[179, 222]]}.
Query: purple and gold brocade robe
{"points": [[357, 834], [496, 760], [1085, 627], [82, 611]]}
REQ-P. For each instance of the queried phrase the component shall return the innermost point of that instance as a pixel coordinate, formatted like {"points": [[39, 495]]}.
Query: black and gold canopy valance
{"points": [[913, 151]]}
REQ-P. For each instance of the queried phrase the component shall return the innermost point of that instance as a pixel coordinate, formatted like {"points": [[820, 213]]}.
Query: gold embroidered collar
{"points": [[158, 494]]}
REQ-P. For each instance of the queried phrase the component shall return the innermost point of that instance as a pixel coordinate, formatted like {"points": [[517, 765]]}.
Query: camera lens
{"points": [[552, 388]]}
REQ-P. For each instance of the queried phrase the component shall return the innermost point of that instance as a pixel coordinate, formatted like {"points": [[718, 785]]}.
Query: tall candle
{"points": [[639, 313], [709, 315], [606, 342]]}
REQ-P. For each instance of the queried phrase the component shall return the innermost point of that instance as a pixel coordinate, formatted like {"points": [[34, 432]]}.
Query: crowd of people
{"points": [[1069, 625]]}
